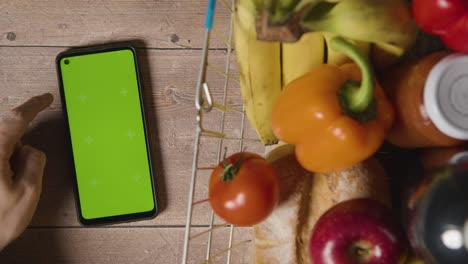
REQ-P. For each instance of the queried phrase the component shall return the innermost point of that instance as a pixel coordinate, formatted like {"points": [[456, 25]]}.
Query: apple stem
{"points": [[361, 252]]}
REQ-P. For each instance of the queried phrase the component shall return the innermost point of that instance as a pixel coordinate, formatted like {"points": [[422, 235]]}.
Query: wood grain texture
{"points": [[169, 81], [161, 23], [119, 245], [169, 36]]}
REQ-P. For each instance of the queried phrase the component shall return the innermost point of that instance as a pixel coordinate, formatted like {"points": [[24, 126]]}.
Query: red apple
{"points": [[357, 231]]}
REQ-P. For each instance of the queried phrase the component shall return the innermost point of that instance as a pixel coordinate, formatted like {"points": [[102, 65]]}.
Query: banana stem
{"points": [[282, 10], [357, 98], [306, 4]]}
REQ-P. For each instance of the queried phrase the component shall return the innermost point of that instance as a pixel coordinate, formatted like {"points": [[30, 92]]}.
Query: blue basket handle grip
{"points": [[210, 14]]}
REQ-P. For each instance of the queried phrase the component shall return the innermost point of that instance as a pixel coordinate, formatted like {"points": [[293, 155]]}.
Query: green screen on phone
{"points": [[107, 131]]}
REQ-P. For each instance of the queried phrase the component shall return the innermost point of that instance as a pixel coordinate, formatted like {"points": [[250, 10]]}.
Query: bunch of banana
{"points": [[265, 67], [259, 65], [387, 23], [312, 50], [302, 56]]}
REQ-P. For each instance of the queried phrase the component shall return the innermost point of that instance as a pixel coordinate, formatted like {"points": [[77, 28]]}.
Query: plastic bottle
{"points": [[430, 97]]}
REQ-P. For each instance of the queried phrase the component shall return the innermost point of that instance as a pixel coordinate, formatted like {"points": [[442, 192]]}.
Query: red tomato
{"points": [[252, 193]]}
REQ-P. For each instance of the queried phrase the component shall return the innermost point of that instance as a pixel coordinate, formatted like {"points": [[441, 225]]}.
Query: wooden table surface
{"points": [[169, 35]]}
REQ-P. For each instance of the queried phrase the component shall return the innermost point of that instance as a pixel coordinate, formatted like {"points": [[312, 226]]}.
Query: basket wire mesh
{"points": [[205, 103]]}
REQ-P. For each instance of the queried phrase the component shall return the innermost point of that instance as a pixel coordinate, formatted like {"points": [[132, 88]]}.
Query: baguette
{"points": [[284, 236]]}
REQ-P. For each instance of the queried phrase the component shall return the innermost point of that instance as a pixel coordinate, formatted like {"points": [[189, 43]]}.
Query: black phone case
{"points": [[120, 218]]}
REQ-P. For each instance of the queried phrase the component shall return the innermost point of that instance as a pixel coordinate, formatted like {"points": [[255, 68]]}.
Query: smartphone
{"points": [[102, 102]]}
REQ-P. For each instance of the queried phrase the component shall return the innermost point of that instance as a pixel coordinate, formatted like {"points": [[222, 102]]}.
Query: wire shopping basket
{"points": [[221, 124]]}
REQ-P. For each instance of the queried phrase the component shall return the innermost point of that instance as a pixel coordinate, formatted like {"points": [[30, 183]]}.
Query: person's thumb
{"points": [[31, 164], [28, 181]]}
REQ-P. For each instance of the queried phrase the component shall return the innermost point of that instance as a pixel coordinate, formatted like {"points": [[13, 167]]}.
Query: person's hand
{"points": [[21, 169]]}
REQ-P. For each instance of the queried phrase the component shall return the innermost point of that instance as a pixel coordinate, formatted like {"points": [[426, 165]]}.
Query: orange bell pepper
{"points": [[333, 119]]}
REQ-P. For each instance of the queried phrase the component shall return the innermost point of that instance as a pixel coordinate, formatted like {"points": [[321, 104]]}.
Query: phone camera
{"points": [[67, 62]]}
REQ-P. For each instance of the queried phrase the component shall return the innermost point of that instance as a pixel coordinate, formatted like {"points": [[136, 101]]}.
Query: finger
{"points": [[28, 187], [14, 124], [17, 120], [15, 157], [6, 169], [29, 109], [31, 164]]}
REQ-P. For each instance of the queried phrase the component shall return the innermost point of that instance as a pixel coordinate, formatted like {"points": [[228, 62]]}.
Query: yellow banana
{"points": [[302, 56], [387, 22], [259, 65], [312, 50], [278, 151]]}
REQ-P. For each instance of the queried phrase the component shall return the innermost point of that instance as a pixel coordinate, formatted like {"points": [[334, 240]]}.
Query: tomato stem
{"points": [[229, 169], [229, 172]]}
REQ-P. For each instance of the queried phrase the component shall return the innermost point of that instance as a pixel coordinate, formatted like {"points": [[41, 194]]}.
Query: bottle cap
{"points": [[446, 96]]}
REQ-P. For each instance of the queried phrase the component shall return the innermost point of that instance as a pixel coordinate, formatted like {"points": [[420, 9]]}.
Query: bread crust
{"points": [[284, 236]]}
